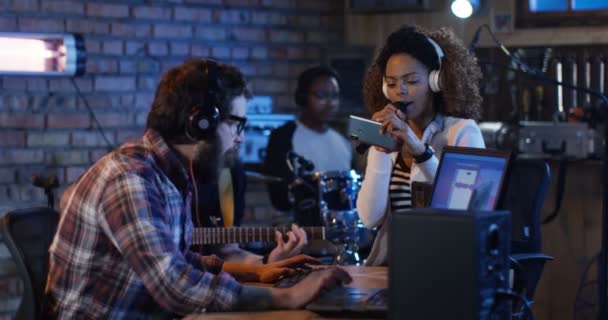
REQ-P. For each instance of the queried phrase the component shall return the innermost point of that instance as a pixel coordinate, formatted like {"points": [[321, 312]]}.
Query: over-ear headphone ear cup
{"points": [[201, 124], [385, 89], [434, 80]]}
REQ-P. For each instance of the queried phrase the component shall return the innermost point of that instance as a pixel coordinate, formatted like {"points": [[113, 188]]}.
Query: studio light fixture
{"points": [[464, 8], [42, 54]]}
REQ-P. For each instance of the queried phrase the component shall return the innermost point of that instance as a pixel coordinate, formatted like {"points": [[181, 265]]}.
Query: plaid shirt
{"points": [[121, 248]]}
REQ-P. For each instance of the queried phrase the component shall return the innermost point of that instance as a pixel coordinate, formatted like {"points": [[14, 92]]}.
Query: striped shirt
{"points": [[400, 193], [121, 247]]}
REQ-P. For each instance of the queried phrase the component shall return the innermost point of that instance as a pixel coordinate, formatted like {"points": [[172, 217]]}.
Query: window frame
{"points": [[569, 18]]}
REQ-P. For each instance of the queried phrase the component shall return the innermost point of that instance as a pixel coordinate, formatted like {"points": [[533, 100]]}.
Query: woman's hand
{"points": [[383, 116], [394, 123]]}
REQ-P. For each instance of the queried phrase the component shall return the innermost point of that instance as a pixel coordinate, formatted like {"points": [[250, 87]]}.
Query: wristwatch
{"points": [[426, 155]]}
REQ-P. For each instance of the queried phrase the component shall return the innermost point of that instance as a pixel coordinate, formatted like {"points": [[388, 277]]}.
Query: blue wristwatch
{"points": [[426, 155]]}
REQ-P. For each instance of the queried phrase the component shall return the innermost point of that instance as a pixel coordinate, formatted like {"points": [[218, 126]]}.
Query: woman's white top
{"points": [[373, 198]]}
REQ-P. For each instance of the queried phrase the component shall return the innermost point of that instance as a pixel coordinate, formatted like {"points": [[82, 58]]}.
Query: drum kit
{"points": [[329, 199]]}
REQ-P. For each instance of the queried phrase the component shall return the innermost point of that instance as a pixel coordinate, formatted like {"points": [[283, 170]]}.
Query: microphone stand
{"points": [[603, 257]]}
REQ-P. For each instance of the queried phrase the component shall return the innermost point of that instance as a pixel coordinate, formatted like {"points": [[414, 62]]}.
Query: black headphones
{"points": [[203, 120]]}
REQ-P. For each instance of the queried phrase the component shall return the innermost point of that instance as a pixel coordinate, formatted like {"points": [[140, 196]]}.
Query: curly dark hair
{"points": [[185, 88], [458, 97]]}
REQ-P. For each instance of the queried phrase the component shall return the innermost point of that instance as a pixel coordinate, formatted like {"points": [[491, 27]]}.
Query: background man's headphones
{"points": [[433, 75], [203, 120]]}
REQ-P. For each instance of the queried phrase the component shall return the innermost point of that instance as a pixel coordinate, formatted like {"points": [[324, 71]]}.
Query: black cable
{"points": [[583, 285], [86, 104], [561, 186], [526, 305]]}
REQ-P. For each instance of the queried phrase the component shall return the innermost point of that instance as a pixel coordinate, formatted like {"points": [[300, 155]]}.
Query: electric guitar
{"points": [[247, 234]]}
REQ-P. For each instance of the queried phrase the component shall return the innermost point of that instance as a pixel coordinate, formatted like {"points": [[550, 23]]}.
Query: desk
{"points": [[363, 277]]}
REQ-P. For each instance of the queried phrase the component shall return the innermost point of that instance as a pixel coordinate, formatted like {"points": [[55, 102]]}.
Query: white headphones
{"points": [[433, 75]]}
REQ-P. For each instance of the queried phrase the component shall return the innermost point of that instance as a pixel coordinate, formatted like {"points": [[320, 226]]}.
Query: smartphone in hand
{"points": [[368, 131]]}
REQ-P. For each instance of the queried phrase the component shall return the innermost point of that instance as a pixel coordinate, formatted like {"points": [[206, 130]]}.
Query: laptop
{"points": [[469, 178]]}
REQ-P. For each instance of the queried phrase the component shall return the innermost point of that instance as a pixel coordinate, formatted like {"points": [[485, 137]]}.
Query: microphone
{"points": [[402, 106], [362, 148], [306, 164], [49, 182], [473, 44]]}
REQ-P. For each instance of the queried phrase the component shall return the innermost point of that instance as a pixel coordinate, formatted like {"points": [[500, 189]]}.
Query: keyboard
{"points": [[380, 298], [290, 281]]}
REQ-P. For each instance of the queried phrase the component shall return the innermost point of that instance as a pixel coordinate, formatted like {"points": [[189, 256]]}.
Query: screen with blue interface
{"points": [[462, 178]]}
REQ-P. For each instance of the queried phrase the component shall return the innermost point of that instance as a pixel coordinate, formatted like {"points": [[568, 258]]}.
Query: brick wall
{"points": [[44, 126]]}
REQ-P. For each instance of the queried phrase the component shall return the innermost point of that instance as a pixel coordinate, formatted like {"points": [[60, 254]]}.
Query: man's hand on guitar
{"points": [[296, 240]]}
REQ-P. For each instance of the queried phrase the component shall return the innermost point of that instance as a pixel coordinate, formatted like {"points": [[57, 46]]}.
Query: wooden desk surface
{"points": [[363, 277]]}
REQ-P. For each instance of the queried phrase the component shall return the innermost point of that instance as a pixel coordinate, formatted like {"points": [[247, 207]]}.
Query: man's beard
{"points": [[208, 162]]}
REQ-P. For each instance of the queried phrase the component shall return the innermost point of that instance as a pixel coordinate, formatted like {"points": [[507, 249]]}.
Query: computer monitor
{"points": [[469, 178]]}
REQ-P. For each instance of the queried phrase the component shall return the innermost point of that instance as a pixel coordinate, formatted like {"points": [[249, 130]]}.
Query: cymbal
{"points": [[262, 177]]}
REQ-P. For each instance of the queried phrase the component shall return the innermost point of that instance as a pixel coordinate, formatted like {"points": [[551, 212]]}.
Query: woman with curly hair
{"points": [[423, 88]]}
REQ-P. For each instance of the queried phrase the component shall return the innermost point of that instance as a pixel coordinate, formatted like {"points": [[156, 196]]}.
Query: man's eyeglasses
{"points": [[240, 123]]}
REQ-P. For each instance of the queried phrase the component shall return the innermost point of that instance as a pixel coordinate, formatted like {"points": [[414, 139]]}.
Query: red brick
{"points": [[305, 21], [112, 120], [192, 14], [155, 13], [199, 51], [40, 25], [278, 53], [172, 31], [112, 47], [63, 7], [91, 138], [240, 53], [12, 138], [107, 10], [242, 3], [21, 120], [102, 66], [8, 23], [269, 86], [97, 154], [48, 139], [225, 16], [25, 5], [259, 53], [87, 26], [320, 37], [141, 118], [71, 121], [143, 100], [204, 1], [249, 34], [73, 173], [316, 5], [21, 156], [107, 83], [220, 52], [210, 33], [295, 53], [285, 36], [15, 103], [147, 83], [7, 175], [66, 158], [126, 135], [313, 53], [179, 49], [269, 18], [127, 67], [263, 70], [158, 49], [283, 4], [93, 46]]}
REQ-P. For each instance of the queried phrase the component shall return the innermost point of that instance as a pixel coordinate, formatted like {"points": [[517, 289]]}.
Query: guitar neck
{"points": [[247, 234]]}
